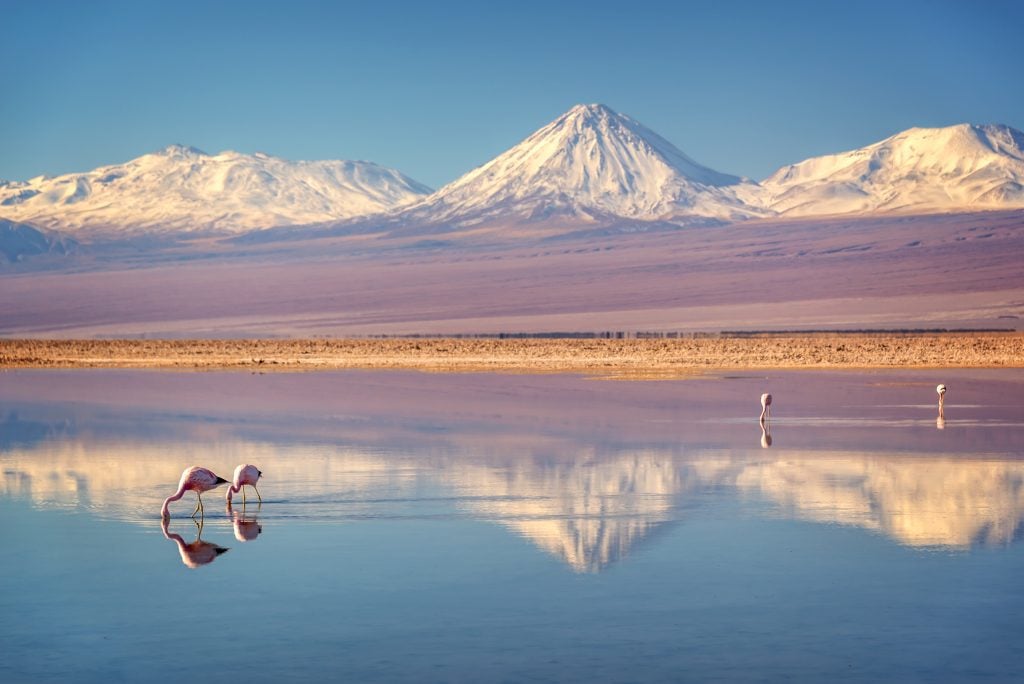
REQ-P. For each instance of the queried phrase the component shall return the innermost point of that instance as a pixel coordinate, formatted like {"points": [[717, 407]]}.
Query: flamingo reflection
{"points": [[247, 528], [193, 554]]}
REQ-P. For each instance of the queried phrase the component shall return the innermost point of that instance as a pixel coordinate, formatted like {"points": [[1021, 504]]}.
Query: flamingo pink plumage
{"points": [[766, 406], [197, 479], [245, 474]]}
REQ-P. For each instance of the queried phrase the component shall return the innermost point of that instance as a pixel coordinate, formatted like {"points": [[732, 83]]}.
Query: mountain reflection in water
{"points": [[587, 509], [585, 470]]}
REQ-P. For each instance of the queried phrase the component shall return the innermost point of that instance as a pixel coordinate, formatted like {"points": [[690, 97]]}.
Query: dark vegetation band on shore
{"points": [[603, 356], [676, 335]]}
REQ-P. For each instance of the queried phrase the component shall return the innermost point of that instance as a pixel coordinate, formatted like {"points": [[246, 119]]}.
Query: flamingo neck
{"points": [[232, 490], [164, 513]]}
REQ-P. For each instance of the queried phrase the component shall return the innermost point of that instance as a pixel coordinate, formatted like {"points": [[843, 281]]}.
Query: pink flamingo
{"points": [[198, 480], [193, 554], [245, 474], [766, 406]]}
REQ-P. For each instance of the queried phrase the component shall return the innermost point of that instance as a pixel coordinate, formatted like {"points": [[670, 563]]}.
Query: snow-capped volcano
{"points": [[182, 189], [921, 170], [590, 166], [589, 163]]}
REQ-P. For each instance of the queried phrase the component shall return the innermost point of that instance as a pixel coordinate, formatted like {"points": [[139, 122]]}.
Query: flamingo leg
{"points": [[243, 495], [258, 494], [199, 502]]}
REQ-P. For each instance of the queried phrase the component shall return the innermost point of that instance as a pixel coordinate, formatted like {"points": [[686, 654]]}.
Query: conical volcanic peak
{"points": [[589, 163], [921, 170], [624, 139], [181, 189]]}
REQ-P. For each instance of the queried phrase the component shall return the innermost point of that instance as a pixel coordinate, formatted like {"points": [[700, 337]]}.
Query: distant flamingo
{"points": [[245, 474], [193, 554], [941, 389], [766, 406], [198, 480], [766, 436]]}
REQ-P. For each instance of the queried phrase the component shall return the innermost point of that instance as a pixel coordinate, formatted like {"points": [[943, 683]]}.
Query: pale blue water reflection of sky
{"points": [[513, 528]]}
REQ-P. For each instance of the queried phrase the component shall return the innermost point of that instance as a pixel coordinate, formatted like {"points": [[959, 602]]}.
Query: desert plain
{"points": [[932, 292], [629, 357]]}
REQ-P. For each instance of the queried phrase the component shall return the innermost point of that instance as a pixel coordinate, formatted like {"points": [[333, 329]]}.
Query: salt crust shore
{"points": [[632, 358]]}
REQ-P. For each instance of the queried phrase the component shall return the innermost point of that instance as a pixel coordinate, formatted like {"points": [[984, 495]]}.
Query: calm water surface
{"points": [[467, 528]]}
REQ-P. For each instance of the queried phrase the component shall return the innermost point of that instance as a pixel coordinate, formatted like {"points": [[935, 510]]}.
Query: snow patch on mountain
{"points": [[184, 190], [921, 170]]}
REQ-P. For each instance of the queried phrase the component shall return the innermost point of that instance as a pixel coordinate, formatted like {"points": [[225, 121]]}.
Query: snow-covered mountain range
{"points": [[921, 170], [184, 190], [591, 165]]}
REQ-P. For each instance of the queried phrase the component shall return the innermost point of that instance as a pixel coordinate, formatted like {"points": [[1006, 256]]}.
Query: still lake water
{"points": [[477, 528]]}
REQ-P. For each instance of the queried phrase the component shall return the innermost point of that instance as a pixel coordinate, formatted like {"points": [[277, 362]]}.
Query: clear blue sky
{"points": [[436, 88]]}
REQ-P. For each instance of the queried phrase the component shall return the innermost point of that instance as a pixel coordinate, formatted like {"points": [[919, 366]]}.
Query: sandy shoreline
{"points": [[605, 357]]}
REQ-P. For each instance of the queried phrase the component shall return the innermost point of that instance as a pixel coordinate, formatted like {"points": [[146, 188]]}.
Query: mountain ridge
{"points": [[590, 169], [920, 170], [181, 189]]}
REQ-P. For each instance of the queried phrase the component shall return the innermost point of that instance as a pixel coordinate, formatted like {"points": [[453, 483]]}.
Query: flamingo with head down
{"points": [[245, 474], [766, 406], [197, 479]]}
